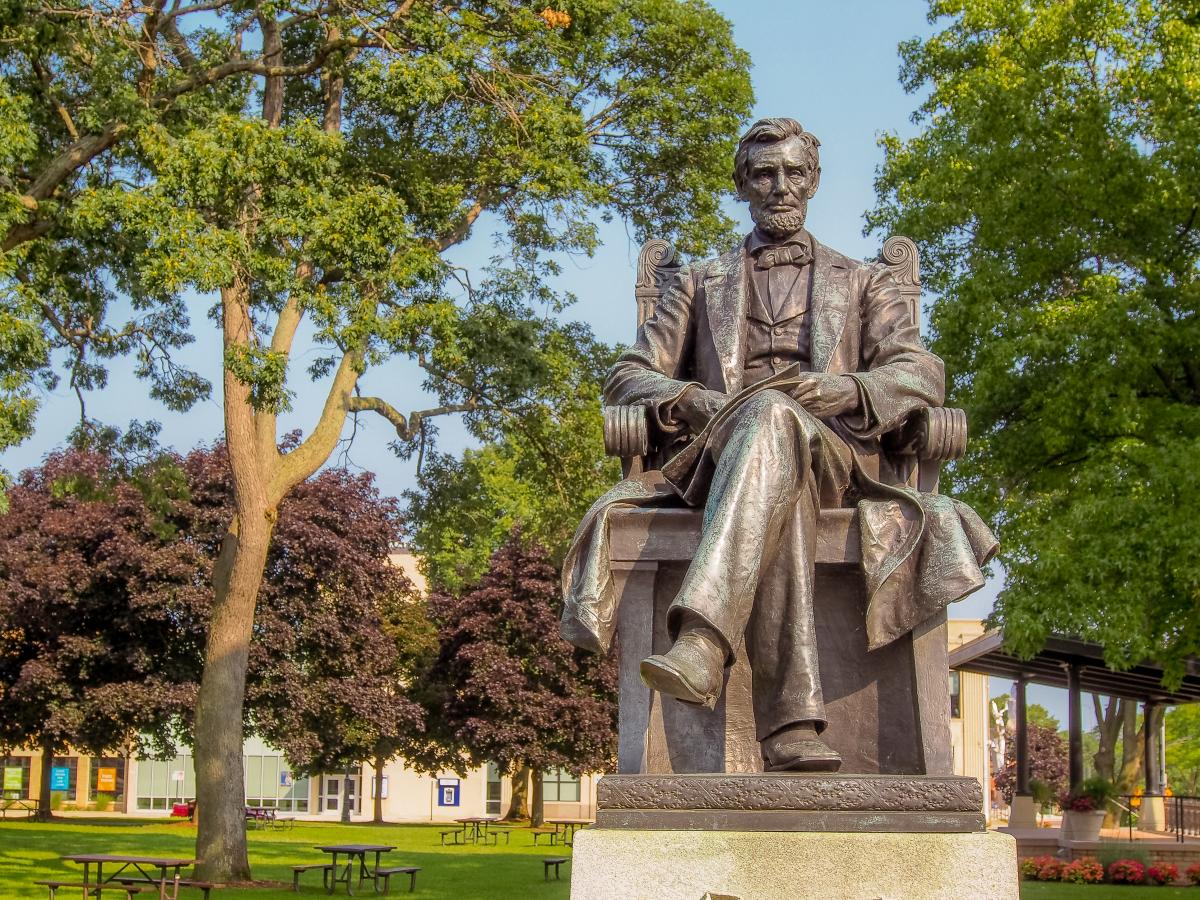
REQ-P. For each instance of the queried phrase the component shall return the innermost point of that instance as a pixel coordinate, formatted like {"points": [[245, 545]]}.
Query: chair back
{"points": [[658, 262]]}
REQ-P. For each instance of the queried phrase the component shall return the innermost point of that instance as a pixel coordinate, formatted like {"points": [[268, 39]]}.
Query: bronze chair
{"points": [[871, 697]]}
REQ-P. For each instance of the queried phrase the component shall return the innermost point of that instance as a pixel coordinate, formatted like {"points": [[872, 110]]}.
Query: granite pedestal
{"points": [[757, 837]]}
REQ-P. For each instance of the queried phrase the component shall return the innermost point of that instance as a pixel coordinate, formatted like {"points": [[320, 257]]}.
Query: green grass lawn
{"points": [[1037, 890], [31, 851]]}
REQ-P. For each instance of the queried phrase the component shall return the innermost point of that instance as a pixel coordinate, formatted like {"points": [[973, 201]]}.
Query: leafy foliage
{"points": [[98, 608], [1047, 762], [1183, 749], [1052, 189], [338, 630], [539, 471], [504, 687]]}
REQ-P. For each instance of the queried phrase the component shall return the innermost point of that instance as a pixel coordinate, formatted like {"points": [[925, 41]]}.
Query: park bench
{"points": [[494, 834], [551, 833], [204, 886], [97, 889], [282, 822], [386, 875], [456, 833], [326, 871], [555, 861]]}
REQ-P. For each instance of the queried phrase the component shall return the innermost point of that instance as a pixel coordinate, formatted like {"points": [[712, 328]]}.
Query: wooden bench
{"points": [[386, 875], [97, 889], [551, 833], [326, 871], [282, 822], [204, 886], [494, 834], [18, 805], [456, 832], [555, 861]]}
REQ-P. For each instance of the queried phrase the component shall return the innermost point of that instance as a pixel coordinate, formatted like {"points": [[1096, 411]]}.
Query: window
{"points": [[494, 790], [269, 784], [161, 783], [955, 696], [560, 786]]}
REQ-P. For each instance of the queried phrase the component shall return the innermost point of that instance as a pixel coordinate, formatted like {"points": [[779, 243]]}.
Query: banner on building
{"points": [[285, 779], [14, 778], [60, 778], [106, 780], [448, 791]]}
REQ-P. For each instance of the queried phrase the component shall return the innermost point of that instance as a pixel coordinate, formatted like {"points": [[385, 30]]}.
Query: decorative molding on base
{"points": [[790, 802]]}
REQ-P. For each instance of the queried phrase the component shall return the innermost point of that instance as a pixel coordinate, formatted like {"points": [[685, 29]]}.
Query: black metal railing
{"points": [[1183, 815]]}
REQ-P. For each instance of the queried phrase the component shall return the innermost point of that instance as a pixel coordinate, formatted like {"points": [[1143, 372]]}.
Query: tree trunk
{"points": [[220, 777], [44, 812], [518, 804], [1108, 722], [377, 818], [538, 811], [347, 794]]}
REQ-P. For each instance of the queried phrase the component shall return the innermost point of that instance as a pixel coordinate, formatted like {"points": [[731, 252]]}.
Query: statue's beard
{"points": [[781, 224]]}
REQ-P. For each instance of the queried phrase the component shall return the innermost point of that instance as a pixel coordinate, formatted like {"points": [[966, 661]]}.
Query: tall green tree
{"points": [[1052, 188], [539, 472], [309, 165], [1183, 749]]}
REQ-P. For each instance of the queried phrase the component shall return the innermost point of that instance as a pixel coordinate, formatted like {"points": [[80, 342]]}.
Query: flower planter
{"points": [[1082, 826]]}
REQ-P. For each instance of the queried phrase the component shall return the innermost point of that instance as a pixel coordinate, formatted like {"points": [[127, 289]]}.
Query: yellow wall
{"points": [[969, 732]]}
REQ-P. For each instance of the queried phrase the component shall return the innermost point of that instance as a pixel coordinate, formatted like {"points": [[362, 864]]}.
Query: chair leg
{"points": [[412, 881]]}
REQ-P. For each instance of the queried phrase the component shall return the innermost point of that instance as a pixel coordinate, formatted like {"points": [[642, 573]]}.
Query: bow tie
{"points": [[783, 255]]}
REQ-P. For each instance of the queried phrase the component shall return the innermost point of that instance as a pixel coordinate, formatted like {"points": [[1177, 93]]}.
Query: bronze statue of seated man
{"points": [[787, 362]]}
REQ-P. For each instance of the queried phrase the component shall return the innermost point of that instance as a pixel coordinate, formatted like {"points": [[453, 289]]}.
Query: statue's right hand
{"points": [[697, 406]]}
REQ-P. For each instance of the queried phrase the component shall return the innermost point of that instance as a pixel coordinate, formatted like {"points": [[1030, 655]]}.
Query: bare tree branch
{"points": [[408, 427]]}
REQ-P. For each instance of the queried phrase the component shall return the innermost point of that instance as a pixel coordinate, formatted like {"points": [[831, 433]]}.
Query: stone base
{"points": [[1153, 814], [1023, 812], [617, 864]]}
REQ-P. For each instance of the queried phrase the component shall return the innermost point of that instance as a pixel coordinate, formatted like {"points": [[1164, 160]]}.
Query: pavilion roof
{"points": [[986, 654]]}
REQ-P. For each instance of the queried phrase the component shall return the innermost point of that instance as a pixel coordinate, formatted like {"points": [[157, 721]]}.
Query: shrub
{"points": [[1031, 866], [1193, 873], [1126, 871], [57, 799], [1050, 869], [1162, 873], [104, 802], [1086, 870]]}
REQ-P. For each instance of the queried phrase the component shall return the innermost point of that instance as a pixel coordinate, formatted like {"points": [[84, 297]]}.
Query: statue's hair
{"points": [[770, 131]]}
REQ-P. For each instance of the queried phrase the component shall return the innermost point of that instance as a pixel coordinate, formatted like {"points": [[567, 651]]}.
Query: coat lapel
{"points": [[725, 291], [830, 304]]}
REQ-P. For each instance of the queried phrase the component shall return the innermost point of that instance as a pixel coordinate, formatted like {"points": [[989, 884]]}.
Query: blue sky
{"points": [[833, 66]]}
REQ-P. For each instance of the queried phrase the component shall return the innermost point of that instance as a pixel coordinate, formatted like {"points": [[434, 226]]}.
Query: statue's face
{"points": [[779, 185]]}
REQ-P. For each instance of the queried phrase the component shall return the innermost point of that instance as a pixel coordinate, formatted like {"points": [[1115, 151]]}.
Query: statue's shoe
{"points": [[799, 750], [691, 671]]}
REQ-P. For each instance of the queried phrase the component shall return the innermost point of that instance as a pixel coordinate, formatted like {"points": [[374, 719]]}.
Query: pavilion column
{"points": [[1022, 720], [1153, 781], [1074, 725], [1153, 814], [1023, 812]]}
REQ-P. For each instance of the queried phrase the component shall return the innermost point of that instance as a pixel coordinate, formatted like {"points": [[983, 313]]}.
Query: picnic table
{"points": [[477, 825], [354, 852], [27, 805], [568, 827], [129, 869], [260, 816]]}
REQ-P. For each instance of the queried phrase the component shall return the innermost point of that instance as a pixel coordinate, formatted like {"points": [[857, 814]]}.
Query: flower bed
{"points": [[1162, 873], [1193, 873], [1126, 871]]}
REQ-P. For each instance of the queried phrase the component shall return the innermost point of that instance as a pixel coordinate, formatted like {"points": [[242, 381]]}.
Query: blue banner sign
{"points": [[60, 778]]}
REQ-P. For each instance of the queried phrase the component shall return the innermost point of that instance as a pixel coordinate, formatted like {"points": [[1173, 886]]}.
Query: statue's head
{"points": [[776, 170]]}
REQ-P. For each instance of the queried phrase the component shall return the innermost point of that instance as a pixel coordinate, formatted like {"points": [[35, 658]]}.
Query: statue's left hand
{"points": [[826, 396]]}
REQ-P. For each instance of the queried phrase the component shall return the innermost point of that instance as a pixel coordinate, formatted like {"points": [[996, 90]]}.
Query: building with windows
{"points": [[970, 714]]}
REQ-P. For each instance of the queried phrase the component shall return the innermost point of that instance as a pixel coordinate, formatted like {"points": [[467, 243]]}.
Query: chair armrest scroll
{"points": [[936, 433], [626, 431]]}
